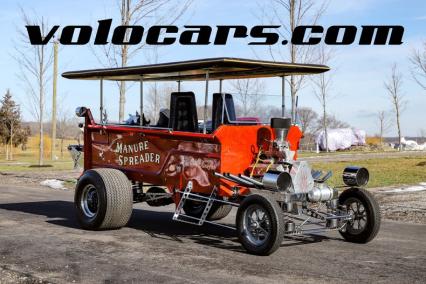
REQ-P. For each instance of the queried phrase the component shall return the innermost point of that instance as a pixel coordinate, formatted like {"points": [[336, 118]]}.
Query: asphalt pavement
{"points": [[40, 241]]}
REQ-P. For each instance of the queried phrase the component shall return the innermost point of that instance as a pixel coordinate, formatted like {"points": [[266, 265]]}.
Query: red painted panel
{"points": [[151, 159], [172, 158], [240, 145]]}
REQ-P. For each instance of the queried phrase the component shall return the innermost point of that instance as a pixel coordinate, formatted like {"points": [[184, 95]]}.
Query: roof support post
{"points": [[205, 103], [101, 103], [178, 85], [141, 101], [223, 101], [282, 96]]}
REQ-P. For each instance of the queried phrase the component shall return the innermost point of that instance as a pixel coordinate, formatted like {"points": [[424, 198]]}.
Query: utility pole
{"points": [[55, 80], [11, 141]]}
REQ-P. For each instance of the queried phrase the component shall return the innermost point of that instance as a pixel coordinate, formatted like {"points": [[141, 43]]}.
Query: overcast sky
{"points": [[358, 71]]}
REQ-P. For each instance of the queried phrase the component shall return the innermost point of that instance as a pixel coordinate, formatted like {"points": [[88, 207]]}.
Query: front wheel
{"points": [[365, 212], [260, 224]]}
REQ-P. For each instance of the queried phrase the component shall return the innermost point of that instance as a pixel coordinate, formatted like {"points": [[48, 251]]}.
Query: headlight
{"points": [[355, 176], [80, 111]]}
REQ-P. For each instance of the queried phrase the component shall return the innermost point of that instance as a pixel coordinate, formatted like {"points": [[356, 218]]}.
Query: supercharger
{"points": [[297, 178]]}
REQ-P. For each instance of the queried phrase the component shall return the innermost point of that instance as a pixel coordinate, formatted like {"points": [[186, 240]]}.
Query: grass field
{"points": [[25, 160], [383, 171], [304, 154]]}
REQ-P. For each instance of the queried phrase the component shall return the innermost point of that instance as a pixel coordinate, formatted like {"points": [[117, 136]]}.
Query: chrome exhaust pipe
{"points": [[276, 180]]}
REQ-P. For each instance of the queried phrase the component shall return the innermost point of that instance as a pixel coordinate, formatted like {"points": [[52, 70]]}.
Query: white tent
{"points": [[341, 138]]}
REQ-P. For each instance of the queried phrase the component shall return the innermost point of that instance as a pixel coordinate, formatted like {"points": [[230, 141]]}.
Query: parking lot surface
{"points": [[40, 241]]}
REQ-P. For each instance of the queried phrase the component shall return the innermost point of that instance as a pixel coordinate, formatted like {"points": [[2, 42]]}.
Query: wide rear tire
{"points": [[260, 224], [366, 211], [103, 199]]}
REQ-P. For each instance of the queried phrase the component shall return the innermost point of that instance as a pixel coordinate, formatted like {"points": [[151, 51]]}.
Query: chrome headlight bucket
{"points": [[80, 111], [355, 176]]}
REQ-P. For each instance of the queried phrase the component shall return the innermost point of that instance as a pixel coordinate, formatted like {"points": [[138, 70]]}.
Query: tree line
{"points": [[12, 131], [35, 64]]}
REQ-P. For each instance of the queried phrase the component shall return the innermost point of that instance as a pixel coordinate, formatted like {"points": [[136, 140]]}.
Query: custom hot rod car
{"points": [[207, 168]]}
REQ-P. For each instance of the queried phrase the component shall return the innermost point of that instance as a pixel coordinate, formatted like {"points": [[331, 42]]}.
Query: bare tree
{"points": [[383, 124], [266, 112], [394, 89], [132, 12], [158, 95], [63, 123], [418, 60], [158, 98], [290, 14], [34, 61], [307, 118], [332, 122], [322, 85], [67, 125], [248, 95]]}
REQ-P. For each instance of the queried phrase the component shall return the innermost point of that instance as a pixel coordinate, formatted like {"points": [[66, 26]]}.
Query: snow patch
{"points": [[53, 183], [415, 188]]}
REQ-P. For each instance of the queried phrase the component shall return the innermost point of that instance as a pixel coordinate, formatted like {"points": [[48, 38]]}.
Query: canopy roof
{"points": [[194, 70]]}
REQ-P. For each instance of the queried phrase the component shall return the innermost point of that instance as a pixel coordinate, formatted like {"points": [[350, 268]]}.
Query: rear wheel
{"points": [[103, 199], [260, 224], [217, 211], [365, 210]]}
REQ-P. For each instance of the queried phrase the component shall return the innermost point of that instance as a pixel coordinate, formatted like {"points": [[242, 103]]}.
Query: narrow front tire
{"points": [[365, 211], [260, 224]]}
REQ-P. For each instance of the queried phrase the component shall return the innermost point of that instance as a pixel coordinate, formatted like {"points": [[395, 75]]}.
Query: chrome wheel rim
{"points": [[359, 220], [256, 225], [89, 201]]}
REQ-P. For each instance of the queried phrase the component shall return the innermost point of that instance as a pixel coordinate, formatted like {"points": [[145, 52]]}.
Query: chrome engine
{"points": [[308, 203], [302, 180]]}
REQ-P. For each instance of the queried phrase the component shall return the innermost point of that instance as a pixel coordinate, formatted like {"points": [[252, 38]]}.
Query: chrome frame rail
{"points": [[319, 215]]}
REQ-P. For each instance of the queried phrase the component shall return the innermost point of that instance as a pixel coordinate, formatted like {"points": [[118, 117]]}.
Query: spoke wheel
{"points": [[365, 215], [359, 216], [257, 224], [260, 224]]}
